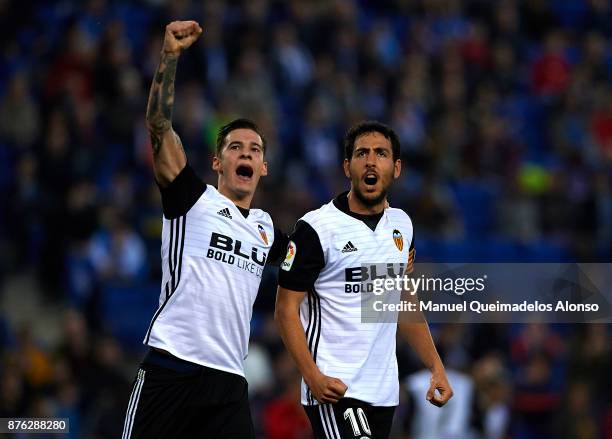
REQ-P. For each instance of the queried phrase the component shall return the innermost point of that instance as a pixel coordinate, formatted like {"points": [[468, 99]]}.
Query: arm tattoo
{"points": [[179, 143], [161, 100]]}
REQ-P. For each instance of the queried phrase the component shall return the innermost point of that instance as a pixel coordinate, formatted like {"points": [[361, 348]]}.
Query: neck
{"points": [[357, 206], [243, 201]]}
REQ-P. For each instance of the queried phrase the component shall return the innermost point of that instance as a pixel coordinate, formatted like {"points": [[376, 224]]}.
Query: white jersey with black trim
{"points": [[212, 260], [362, 355]]}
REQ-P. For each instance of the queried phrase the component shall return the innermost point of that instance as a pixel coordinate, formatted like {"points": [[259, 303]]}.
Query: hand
{"points": [[440, 383], [180, 35], [326, 389]]}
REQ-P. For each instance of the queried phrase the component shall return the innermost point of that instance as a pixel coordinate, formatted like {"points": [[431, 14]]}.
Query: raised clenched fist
{"points": [[180, 35]]}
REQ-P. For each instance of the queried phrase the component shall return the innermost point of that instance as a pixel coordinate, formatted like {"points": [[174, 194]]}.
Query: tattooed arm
{"points": [[168, 153]]}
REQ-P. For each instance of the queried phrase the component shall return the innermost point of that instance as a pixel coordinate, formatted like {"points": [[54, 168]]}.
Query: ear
{"points": [[397, 168], [216, 165], [264, 169], [346, 165]]}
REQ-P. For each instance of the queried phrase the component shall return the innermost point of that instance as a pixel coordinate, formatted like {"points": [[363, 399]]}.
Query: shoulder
{"points": [[305, 235], [261, 215], [321, 216], [399, 215], [211, 192], [180, 195]]}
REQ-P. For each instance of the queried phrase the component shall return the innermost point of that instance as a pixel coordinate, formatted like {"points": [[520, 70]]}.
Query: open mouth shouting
{"points": [[370, 179], [244, 172]]}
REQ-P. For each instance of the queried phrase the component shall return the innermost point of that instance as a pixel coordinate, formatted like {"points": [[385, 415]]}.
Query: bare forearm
{"points": [[293, 335], [161, 100], [168, 153], [419, 338]]}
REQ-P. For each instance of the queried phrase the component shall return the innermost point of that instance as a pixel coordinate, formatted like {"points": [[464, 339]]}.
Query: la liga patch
{"points": [[289, 257]]}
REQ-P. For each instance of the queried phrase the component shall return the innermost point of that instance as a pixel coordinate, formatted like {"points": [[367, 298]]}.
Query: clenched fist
{"points": [[439, 382], [326, 389], [180, 35]]}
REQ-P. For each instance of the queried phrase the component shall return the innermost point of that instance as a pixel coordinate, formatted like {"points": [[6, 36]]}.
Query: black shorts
{"points": [[173, 398], [350, 419]]}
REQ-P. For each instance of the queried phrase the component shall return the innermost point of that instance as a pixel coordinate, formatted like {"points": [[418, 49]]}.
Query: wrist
{"points": [[311, 375], [437, 367]]}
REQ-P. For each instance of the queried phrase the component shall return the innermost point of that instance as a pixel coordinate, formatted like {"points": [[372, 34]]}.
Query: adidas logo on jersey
{"points": [[225, 212], [349, 247]]}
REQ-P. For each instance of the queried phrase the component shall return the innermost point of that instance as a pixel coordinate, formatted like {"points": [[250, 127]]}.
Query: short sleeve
{"points": [[304, 259], [180, 195], [279, 247]]}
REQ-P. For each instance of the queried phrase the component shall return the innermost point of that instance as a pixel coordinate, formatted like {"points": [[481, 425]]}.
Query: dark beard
{"points": [[369, 202]]}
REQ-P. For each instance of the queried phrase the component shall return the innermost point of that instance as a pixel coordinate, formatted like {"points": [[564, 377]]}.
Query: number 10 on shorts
{"points": [[357, 421]]}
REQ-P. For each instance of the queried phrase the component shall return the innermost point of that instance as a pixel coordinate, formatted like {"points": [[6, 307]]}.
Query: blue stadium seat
{"points": [[544, 251], [475, 201], [127, 311], [458, 251]]}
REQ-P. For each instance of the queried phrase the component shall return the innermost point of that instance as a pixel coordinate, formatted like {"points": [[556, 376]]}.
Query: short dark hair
{"points": [[237, 124], [370, 126]]}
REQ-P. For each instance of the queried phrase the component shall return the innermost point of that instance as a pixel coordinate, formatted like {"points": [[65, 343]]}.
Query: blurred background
{"points": [[504, 110]]}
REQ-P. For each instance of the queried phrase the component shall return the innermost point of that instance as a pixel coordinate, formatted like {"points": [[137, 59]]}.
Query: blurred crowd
{"points": [[504, 111]]}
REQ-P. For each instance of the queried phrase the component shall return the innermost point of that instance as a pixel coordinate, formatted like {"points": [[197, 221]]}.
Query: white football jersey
{"points": [[212, 260], [361, 354]]}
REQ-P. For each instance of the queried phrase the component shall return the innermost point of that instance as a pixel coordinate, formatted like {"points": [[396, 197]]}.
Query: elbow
{"points": [[156, 123], [151, 125], [167, 168], [278, 316], [287, 310], [162, 178], [282, 315]]}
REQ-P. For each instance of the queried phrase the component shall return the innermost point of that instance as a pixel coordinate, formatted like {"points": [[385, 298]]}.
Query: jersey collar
{"points": [[341, 203], [243, 211]]}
